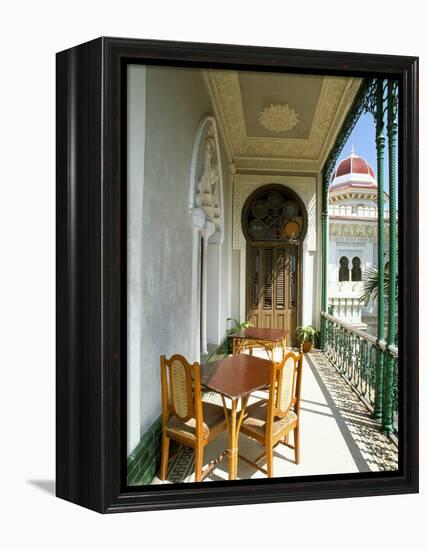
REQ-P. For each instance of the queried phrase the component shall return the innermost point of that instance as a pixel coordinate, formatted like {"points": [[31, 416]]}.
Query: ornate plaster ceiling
{"points": [[279, 122]]}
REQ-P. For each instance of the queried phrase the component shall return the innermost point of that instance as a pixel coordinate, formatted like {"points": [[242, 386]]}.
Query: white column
{"points": [[214, 298], [195, 297], [242, 286], [198, 217], [206, 233]]}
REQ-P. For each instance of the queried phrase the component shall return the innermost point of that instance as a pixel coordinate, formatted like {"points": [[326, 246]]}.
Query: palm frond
{"points": [[371, 284]]}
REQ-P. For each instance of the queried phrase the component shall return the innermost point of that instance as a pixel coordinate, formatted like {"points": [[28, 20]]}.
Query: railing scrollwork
{"points": [[354, 353]]}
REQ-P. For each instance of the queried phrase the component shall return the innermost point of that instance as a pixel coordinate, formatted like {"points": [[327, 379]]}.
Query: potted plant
{"points": [[237, 326], [306, 336]]}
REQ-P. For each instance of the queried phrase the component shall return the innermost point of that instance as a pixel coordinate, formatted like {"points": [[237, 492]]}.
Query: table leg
{"points": [[234, 424], [240, 344], [233, 451], [237, 345]]}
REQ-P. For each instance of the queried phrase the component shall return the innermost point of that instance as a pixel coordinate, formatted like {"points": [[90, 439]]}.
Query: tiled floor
{"points": [[337, 434]]}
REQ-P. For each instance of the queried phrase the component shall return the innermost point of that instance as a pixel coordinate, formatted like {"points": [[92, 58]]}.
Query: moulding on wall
{"points": [[364, 230], [308, 154]]}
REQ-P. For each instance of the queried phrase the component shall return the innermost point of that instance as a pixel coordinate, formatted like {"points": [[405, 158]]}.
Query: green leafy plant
{"points": [[237, 326], [306, 334], [371, 284]]}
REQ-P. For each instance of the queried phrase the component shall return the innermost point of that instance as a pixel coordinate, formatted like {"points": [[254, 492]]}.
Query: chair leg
{"points": [[269, 460], [165, 454], [296, 444], [199, 460]]}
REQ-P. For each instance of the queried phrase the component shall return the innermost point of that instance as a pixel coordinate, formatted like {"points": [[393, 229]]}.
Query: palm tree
{"points": [[371, 283]]}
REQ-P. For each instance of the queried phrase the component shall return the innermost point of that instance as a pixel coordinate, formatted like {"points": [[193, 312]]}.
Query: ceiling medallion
{"points": [[279, 118]]}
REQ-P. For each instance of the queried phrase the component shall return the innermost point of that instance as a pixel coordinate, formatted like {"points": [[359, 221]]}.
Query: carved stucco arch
{"points": [[206, 180], [206, 209]]}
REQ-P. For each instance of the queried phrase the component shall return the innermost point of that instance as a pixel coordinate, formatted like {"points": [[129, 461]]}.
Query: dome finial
{"points": [[353, 150]]}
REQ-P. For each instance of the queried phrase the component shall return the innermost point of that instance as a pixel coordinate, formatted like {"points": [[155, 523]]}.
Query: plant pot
{"points": [[307, 346]]}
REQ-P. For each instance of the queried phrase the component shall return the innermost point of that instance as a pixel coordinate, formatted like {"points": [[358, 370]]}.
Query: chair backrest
{"points": [[181, 390], [286, 381]]}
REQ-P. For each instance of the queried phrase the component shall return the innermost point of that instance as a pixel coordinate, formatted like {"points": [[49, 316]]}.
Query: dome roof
{"points": [[354, 171], [353, 165]]}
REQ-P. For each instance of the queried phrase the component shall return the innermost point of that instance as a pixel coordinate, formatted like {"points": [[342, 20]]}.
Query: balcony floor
{"points": [[337, 434]]}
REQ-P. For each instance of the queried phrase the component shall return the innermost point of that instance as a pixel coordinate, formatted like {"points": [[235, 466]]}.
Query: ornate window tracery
{"points": [[274, 215]]}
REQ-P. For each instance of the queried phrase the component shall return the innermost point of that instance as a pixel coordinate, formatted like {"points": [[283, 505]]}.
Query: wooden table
{"points": [[267, 338], [236, 377]]}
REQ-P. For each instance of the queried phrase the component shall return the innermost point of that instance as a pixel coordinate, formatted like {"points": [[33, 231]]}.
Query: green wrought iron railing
{"points": [[354, 353], [394, 355]]}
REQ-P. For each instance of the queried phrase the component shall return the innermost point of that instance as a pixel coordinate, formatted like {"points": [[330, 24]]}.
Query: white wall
{"points": [[135, 162], [161, 235], [32, 516]]}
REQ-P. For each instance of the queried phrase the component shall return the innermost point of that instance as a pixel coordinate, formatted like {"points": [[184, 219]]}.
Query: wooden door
{"points": [[272, 287]]}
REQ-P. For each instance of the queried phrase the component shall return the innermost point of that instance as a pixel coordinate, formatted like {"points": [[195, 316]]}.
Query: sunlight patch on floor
{"points": [[337, 434]]}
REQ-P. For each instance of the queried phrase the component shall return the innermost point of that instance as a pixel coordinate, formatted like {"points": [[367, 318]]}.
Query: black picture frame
{"points": [[91, 264]]}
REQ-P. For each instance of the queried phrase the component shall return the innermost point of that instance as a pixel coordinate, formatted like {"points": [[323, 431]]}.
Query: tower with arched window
{"points": [[353, 218]]}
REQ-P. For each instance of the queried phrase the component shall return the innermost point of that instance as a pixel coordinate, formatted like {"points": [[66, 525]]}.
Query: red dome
{"points": [[353, 165]]}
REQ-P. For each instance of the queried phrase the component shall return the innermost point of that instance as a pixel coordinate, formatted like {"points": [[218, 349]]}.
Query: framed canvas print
{"points": [[237, 274]]}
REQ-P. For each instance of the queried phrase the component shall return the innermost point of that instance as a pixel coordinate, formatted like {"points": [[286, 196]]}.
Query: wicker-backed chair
{"points": [[270, 421], [185, 417]]}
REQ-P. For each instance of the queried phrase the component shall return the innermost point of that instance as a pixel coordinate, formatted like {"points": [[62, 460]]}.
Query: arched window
{"points": [[356, 269], [343, 269], [273, 214]]}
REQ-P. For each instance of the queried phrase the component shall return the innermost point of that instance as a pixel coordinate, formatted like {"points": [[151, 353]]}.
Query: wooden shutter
{"points": [[280, 278], [255, 290], [267, 278], [292, 302]]}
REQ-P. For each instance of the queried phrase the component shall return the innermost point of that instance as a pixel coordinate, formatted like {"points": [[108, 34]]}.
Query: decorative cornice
{"points": [[358, 230], [285, 153], [345, 105], [263, 164]]}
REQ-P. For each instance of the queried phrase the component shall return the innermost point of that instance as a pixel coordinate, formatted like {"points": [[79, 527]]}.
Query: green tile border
{"points": [[144, 461]]}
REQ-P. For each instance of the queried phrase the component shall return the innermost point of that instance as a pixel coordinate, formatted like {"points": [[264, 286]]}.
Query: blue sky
{"points": [[363, 138]]}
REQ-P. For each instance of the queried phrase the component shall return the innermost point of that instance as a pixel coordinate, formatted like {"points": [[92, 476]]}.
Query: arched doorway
{"points": [[274, 222]]}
